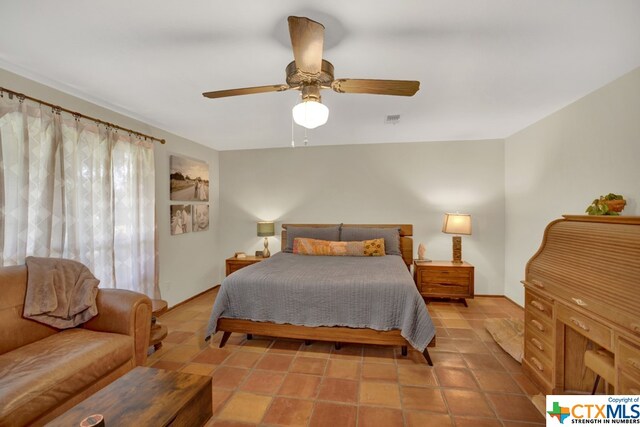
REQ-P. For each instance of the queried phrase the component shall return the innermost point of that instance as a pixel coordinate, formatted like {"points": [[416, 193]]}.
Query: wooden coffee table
{"points": [[147, 397]]}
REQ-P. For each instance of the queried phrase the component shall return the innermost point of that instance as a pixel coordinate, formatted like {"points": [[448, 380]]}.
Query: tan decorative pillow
{"points": [[304, 246], [374, 247]]}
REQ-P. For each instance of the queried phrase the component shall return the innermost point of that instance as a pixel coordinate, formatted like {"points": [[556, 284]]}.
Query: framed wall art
{"points": [[200, 217], [189, 179], [181, 221]]}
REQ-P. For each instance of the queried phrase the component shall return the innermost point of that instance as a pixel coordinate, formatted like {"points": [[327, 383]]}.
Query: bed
{"points": [[343, 299]]}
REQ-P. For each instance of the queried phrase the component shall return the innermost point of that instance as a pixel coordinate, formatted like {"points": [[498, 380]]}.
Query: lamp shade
{"points": [[455, 223], [266, 229], [310, 114]]}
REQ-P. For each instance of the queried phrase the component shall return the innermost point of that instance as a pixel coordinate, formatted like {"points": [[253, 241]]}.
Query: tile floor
{"points": [[283, 382]]}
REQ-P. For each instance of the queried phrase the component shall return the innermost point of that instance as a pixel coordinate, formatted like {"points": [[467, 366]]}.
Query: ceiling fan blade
{"points": [[307, 39], [376, 87], [246, 91]]}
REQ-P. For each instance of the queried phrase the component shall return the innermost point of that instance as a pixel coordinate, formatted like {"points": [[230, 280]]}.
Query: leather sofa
{"points": [[45, 371]]}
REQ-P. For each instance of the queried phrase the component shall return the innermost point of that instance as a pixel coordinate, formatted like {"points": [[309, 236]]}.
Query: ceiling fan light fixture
{"points": [[310, 114]]}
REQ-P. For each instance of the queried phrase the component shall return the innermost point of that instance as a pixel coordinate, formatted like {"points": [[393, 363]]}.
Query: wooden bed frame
{"points": [[336, 334]]}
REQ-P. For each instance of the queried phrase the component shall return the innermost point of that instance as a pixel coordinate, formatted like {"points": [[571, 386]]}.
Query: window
{"points": [[74, 189]]}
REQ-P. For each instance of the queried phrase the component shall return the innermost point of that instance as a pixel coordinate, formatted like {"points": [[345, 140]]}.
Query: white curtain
{"points": [[72, 189]]}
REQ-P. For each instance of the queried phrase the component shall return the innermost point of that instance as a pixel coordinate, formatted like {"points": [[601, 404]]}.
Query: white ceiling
{"points": [[487, 68]]}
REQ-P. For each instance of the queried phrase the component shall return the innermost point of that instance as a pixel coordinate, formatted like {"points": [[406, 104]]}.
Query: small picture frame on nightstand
{"points": [[258, 253]]}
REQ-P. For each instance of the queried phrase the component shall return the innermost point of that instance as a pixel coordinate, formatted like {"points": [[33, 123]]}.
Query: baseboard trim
{"points": [[513, 302], [193, 297], [500, 296]]}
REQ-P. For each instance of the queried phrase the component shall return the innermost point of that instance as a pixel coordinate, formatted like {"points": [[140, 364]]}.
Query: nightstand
{"points": [[235, 264], [444, 279]]}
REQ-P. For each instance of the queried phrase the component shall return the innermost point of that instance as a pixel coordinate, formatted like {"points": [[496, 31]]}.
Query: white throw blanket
{"points": [[60, 292]]}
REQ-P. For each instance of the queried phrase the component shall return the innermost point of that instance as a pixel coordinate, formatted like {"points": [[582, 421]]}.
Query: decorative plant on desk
{"points": [[611, 204]]}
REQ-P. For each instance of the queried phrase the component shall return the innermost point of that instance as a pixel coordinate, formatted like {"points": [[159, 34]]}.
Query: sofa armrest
{"points": [[124, 312]]}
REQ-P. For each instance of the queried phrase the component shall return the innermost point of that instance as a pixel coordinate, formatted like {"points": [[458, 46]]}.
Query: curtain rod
{"points": [[57, 109]]}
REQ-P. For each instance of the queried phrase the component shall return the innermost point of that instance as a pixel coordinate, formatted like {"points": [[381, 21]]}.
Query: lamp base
{"points": [[265, 252], [457, 249]]}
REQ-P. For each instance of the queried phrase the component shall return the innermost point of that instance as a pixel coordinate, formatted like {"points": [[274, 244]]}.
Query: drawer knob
{"points": [[538, 344], [634, 362], [537, 283], [579, 302], [537, 363], [538, 325], [537, 305], [579, 324]]}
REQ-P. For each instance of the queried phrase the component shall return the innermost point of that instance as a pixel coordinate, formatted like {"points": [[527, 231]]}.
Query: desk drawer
{"points": [[538, 362], [536, 303], [586, 326], [538, 322], [542, 347], [629, 359], [627, 385]]}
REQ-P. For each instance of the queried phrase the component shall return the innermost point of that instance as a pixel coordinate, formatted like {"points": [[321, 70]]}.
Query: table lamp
{"points": [[266, 229], [455, 223]]}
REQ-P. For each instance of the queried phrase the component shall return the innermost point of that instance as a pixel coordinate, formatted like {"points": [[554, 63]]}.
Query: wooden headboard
{"points": [[406, 233]]}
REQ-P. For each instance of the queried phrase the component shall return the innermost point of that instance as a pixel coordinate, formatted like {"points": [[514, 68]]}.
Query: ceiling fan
{"points": [[309, 73]]}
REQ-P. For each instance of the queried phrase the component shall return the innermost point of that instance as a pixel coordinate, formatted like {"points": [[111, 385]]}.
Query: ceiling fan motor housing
{"points": [[297, 77]]}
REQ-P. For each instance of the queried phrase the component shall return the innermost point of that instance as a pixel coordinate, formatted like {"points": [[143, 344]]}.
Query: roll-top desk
{"points": [[582, 291]]}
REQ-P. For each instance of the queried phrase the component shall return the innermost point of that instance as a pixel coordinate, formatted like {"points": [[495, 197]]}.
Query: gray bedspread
{"points": [[358, 292]]}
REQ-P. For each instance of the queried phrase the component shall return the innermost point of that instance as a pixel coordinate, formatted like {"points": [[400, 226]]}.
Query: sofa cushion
{"points": [[39, 376], [17, 331]]}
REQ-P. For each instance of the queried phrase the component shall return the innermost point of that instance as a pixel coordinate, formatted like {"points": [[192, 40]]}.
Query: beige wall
{"points": [[380, 183], [187, 262], [560, 164], [512, 189]]}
